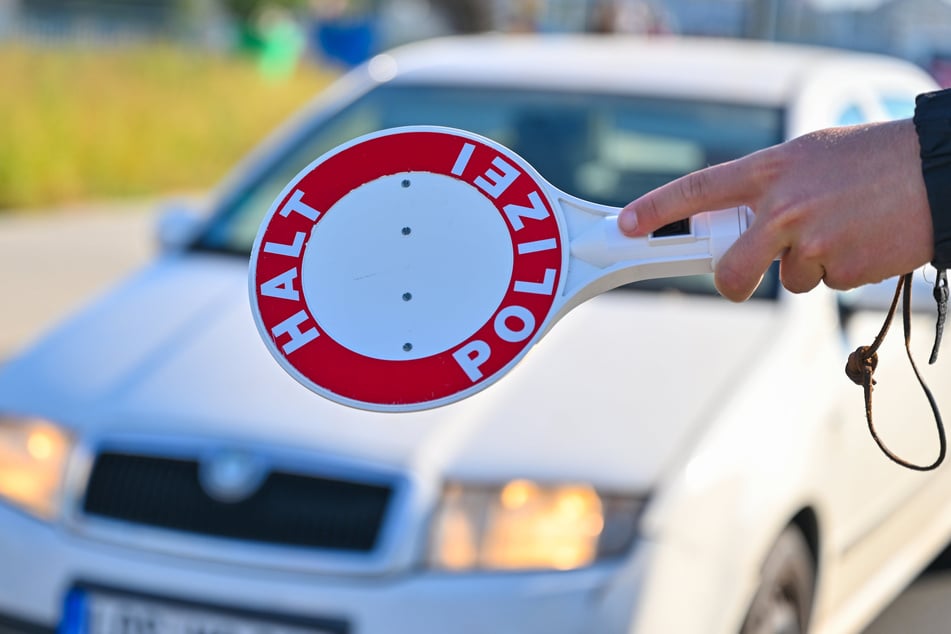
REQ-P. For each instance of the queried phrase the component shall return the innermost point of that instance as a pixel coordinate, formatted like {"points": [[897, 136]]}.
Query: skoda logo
{"points": [[231, 475]]}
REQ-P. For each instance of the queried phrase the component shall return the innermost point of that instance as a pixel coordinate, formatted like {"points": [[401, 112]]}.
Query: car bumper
{"points": [[44, 564]]}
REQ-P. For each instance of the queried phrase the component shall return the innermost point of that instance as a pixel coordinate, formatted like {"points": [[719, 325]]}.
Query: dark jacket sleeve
{"points": [[933, 124]]}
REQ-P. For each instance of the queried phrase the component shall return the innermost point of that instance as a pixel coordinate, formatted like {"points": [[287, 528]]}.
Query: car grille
{"points": [[287, 508]]}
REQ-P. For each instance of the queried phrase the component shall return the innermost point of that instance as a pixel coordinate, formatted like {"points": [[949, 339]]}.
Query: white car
{"points": [[664, 461]]}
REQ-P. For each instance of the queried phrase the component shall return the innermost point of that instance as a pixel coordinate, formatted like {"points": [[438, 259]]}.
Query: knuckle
{"points": [[813, 249], [837, 284], [787, 214], [767, 166], [799, 286], [798, 279], [843, 278], [694, 187]]}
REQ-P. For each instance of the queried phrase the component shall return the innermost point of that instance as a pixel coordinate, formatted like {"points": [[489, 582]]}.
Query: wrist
{"points": [[933, 126]]}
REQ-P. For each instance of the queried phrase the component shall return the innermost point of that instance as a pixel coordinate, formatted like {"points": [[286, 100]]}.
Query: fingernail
{"points": [[627, 220]]}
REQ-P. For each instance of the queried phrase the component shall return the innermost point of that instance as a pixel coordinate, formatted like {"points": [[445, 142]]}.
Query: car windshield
{"points": [[604, 148]]}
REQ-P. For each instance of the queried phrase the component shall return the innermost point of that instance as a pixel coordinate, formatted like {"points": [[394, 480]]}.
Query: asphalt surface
{"points": [[924, 608], [54, 262]]}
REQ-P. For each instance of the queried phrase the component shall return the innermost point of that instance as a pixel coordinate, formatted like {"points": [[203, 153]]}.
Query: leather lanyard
{"points": [[862, 362]]}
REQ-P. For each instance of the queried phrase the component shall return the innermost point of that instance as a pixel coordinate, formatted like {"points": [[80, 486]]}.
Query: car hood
{"points": [[610, 396]]}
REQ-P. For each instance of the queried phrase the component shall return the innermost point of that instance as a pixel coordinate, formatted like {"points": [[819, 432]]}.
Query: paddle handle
{"points": [[695, 247]]}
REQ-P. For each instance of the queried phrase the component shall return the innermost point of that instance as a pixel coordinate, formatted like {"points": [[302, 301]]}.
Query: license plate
{"points": [[121, 614]]}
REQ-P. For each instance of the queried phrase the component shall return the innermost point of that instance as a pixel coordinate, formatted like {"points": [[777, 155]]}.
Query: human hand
{"points": [[846, 206]]}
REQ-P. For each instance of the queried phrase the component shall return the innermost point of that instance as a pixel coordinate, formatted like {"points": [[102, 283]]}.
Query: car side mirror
{"points": [[178, 225], [878, 297]]}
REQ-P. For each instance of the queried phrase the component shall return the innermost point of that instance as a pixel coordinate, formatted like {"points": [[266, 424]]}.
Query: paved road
{"points": [[52, 263], [925, 608]]}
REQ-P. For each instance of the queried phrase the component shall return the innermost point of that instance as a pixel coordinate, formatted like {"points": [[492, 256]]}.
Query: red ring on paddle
{"points": [[330, 368]]}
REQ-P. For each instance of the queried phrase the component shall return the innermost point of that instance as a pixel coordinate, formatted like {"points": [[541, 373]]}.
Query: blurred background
{"points": [[108, 106], [107, 99]]}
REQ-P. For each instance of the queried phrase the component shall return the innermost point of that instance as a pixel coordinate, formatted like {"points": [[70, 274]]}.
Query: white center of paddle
{"points": [[407, 266]]}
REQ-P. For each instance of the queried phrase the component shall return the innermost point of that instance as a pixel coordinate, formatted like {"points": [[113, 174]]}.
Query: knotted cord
{"points": [[863, 361]]}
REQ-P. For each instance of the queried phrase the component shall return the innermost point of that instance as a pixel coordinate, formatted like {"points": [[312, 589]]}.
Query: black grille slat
{"points": [[289, 509]]}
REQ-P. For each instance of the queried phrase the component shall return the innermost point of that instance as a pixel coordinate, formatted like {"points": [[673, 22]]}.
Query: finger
{"points": [[716, 187], [741, 268], [799, 274]]}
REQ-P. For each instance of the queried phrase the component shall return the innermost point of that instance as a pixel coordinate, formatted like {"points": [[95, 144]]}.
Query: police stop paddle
{"points": [[413, 267]]}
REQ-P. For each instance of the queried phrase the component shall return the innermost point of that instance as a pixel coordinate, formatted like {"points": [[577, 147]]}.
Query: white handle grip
{"points": [[710, 235]]}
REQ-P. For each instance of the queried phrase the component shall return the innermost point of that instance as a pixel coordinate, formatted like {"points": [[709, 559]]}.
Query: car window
{"points": [[898, 107], [604, 148], [851, 115]]}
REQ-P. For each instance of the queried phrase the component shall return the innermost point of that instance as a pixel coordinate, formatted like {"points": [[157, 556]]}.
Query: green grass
{"points": [[84, 124]]}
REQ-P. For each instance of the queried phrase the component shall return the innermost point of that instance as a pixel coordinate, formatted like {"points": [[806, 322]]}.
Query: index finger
{"points": [[716, 187]]}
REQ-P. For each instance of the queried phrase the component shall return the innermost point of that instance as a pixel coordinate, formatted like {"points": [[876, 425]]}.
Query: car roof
{"points": [[742, 71]]}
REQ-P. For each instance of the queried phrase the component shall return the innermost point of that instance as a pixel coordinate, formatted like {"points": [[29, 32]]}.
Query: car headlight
{"points": [[33, 457], [524, 525]]}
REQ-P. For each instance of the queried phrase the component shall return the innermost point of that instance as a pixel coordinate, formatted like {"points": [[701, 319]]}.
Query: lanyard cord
{"points": [[864, 359]]}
